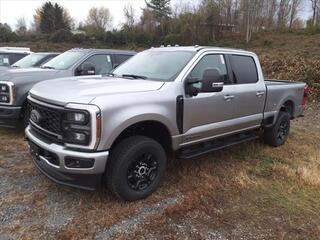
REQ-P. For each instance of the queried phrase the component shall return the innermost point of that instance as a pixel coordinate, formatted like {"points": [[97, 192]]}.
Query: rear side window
{"points": [[16, 57], [122, 58], [244, 69]]}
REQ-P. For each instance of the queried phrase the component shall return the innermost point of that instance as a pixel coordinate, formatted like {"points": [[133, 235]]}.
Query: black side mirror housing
{"points": [[192, 86], [86, 69], [212, 81]]}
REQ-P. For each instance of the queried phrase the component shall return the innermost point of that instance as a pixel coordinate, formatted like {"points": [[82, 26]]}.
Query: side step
{"points": [[216, 144]]}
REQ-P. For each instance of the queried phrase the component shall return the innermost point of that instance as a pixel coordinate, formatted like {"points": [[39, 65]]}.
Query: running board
{"points": [[216, 144]]}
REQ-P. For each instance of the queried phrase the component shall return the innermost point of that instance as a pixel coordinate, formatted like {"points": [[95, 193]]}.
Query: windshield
{"points": [[64, 61], [29, 61], [4, 59], [155, 65]]}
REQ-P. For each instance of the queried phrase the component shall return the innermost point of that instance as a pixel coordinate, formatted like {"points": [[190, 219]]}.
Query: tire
{"points": [[277, 135], [136, 167]]}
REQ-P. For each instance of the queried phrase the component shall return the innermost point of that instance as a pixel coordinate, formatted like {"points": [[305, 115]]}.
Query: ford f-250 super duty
{"points": [[16, 83], [119, 129]]}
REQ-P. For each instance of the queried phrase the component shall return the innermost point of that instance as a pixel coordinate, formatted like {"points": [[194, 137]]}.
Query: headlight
{"points": [[4, 88], [81, 126], [77, 128], [77, 117], [7, 93]]}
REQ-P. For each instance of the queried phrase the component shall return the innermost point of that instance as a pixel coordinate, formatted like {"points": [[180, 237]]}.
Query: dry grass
{"points": [[251, 191]]}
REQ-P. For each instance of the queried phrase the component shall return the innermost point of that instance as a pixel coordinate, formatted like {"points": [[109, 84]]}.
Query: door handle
{"points": [[228, 97], [259, 94]]}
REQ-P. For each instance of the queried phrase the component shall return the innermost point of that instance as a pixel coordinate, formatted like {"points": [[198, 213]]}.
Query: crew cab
{"points": [[118, 130], [10, 55], [16, 83]]}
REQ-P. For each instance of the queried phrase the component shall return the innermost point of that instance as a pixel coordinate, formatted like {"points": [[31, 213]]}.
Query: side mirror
{"points": [[86, 69], [192, 86], [212, 81]]}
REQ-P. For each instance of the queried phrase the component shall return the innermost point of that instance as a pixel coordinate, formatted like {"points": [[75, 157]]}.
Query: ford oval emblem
{"points": [[35, 116]]}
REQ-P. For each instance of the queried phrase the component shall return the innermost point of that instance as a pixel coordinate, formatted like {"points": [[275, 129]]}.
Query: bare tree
{"points": [[130, 17], [283, 14], [99, 18], [294, 8], [315, 9], [21, 26]]}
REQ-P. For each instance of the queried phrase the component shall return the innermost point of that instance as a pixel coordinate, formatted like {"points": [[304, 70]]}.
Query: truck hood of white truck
{"points": [[83, 90]]}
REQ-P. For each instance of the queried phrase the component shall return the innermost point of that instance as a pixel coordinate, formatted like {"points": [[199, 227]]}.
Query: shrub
{"points": [[62, 35]]}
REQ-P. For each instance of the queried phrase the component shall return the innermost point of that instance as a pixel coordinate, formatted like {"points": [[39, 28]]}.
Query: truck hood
{"points": [[85, 89], [16, 75]]}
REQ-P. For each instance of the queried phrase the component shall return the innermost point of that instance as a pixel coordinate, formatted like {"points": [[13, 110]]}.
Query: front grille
{"points": [[50, 118]]}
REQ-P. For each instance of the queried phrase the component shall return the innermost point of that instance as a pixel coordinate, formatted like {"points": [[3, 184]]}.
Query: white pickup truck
{"points": [[118, 129]]}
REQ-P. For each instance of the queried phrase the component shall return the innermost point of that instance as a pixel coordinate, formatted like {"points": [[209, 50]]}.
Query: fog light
{"points": [[77, 137], [4, 98], [72, 162]]}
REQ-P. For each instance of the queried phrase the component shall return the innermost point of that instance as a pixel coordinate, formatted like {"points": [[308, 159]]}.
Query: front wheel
{"points": [[136, 167], [278, 133]]}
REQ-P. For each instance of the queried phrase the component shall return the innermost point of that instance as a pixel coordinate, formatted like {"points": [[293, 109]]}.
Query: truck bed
{"points": [[281, 91]]}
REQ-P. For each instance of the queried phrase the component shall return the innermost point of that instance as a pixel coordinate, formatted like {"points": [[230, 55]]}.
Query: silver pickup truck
{"points": [[119, 129], [16, 83]]}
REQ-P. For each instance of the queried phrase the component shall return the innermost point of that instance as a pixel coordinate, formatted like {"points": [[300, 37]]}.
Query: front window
{"points": [[4, 59], [29, 61], [64, 61], [155, 65]]}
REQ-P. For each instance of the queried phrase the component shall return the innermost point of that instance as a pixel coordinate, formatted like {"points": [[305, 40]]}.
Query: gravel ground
{"points": [[193, 202]]}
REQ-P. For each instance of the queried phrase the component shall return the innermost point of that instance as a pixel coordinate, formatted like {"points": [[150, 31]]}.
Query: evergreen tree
{"points": [[160, 8], [51, 18]]}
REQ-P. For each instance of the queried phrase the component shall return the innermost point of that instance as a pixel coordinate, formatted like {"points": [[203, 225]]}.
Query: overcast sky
{"points": [[10, 10]]}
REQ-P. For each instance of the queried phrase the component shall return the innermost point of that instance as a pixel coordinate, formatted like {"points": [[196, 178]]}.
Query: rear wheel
{"points": [[136, 167], [278, 133]]}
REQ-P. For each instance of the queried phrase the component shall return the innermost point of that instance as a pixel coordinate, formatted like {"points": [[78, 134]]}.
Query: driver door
{"points": [[209, 114]]}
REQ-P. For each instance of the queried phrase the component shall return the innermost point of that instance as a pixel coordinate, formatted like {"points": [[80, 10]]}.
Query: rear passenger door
{"points": [[250, 91]]}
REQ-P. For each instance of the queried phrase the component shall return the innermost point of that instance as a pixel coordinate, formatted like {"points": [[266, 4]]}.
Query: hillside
{"points": [[283, 55]]}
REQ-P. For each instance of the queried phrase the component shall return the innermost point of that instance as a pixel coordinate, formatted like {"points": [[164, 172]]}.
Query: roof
{"points": [[15, 49], [197, 48], [46, 53], [109, 51]]}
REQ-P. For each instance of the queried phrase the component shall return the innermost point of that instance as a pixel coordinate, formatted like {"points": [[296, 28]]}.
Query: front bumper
{"points": [[9, 116], [50, 159]]}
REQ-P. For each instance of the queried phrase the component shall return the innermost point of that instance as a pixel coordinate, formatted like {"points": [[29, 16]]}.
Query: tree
{"points": [[294, 8], [315, 9], [160, 8], [99, 18], [283, 14], [21, 26], [51, 17], [129, 15]]}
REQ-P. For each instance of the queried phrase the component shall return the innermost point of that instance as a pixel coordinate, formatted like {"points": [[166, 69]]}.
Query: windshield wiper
{"points": [[133, 76], [47, 67], [15, 66]]}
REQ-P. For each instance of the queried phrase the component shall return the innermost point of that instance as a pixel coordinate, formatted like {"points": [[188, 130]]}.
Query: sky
{"points": [[11, 10]]}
